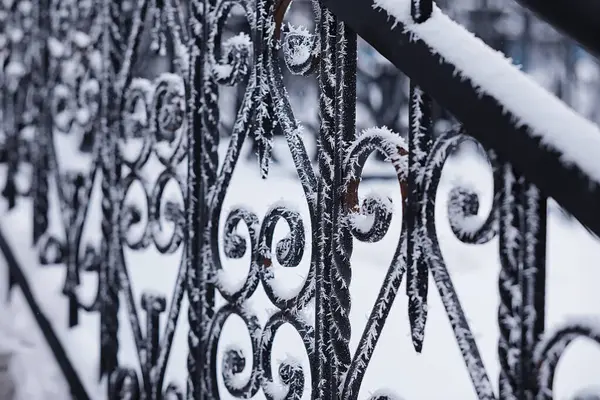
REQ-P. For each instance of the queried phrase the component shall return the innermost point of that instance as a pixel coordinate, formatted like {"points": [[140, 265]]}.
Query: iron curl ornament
{"points": [[153, 128], [246, 59], [140, 121], [74, 68], [369, 221], [152, 146], [552, 346]]}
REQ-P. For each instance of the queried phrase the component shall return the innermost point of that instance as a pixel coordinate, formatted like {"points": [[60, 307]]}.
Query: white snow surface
{"points": [[491, 73], [438, 373]]}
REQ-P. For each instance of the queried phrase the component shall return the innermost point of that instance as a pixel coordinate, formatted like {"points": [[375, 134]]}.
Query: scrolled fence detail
{"points": [[82, 119]]}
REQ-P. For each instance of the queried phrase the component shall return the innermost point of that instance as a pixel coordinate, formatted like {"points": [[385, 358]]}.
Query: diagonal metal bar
{"points": [[484, 117], [76, 387]]}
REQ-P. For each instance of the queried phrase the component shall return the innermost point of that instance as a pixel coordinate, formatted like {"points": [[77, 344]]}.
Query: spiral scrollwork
{"points": [[161, 211], [153, 123], [151, 196], [550, 349], [165, 211], [229, 65], [74, 69], [463, 202], [167, 119], [231, 59], [235, 247], [372, 220], [463, 212], [153, 117], [134, 148], [234, 360], [288, 251], [290, 385], [301, 48], [459, 210]]}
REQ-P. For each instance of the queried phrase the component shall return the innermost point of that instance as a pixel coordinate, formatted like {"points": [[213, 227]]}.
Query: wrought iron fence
{"points": [[75, 117]]}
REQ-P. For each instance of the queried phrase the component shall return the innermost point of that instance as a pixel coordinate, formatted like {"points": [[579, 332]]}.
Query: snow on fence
{"points": [[112, 176], [500, 106]]}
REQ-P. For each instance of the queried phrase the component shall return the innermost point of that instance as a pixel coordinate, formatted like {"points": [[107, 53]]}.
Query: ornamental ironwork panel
{"points": [[84, 117]]}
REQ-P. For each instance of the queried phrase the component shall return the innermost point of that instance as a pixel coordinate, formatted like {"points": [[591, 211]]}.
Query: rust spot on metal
{"points": [[351, 197], [280, 10], [403, 182]]}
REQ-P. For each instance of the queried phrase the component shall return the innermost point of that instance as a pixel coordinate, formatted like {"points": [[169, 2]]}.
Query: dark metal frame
{"points": [[174, 119]]}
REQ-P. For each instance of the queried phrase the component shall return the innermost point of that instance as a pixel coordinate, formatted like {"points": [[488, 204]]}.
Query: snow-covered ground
{"points": [[437, 373]]}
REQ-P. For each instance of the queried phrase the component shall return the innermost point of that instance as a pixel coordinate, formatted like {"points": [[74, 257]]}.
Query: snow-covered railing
{"points": [[499, 105], [115, 176]]}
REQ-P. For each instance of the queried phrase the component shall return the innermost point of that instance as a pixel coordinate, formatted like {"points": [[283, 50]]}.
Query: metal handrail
{"points": [[484, 117]]}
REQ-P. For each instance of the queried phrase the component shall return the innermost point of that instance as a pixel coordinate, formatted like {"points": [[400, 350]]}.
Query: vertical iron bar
{"points": [[203, 160], [521, 314], [533, 281], [195, 197], [419, 144], [325, 380], [511, 304], [10, 131], [109, 281], [345, 133], [153, 305], [39, 147]]}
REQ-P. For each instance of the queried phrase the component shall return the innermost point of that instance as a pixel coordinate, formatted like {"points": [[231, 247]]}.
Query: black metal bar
{"points": [[533, 280], [419, 144], [108, 277], [197, 211], [77, 389], [38, 149], [578, 19], [482, 115], [417, 273]]}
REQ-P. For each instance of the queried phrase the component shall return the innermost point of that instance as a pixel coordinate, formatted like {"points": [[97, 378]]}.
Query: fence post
{"points": [[326, 149], [109, 129], [522, 283], [203, 140], [41, 142]]}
